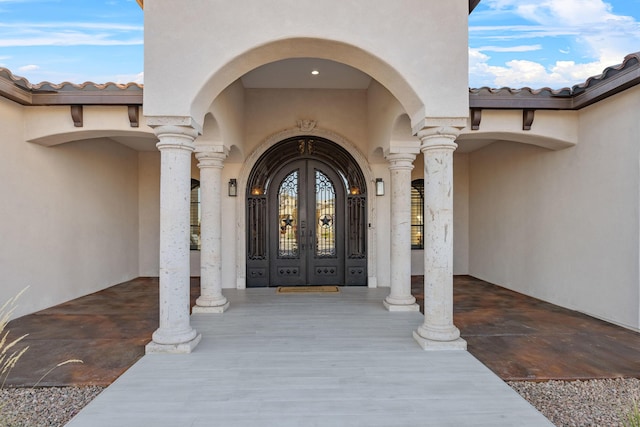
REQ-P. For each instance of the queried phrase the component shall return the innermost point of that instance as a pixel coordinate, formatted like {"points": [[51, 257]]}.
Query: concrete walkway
{"points": [[309, 360]]}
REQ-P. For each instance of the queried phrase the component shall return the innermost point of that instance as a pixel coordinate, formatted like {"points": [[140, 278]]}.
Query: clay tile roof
{"points": [[613, 80], [630, 61], [20, 90]]}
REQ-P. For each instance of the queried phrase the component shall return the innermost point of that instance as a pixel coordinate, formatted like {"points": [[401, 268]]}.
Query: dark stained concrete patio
{"points": [[523, 338], [517, 337]]}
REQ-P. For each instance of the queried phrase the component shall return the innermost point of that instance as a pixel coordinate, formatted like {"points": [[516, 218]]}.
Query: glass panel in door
{"points": [[288, 245], [325, 208]]}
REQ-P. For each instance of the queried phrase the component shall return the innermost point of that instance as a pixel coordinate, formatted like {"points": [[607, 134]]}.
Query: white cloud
{"points": [[3, 58], [524, 73], [564, 12], [516, 32], [524, 48], [68, 39], [27, 68], [69, 34], [602, 39], [71, 25], [592, 22], [129, 78]]}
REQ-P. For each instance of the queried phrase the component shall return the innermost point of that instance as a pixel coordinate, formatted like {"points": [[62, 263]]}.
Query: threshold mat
{"points": [[306, 289]]}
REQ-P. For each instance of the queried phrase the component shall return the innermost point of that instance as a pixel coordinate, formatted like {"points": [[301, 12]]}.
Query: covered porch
{"points": [[321, 359]]}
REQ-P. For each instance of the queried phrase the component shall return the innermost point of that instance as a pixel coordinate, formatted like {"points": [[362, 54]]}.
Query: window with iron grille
{"points": [[194, 234], [417, 214]]}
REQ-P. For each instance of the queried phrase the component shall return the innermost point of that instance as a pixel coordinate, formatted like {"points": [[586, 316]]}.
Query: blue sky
{"points": [[72, 40], [554, 43], [513, 43]]}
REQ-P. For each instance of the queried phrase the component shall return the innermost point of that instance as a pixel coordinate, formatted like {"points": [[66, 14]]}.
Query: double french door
{"points": [[307, 225], [306, 216]]}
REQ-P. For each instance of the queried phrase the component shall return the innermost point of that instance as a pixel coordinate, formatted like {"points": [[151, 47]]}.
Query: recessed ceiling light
{"points": [[315, 72]]}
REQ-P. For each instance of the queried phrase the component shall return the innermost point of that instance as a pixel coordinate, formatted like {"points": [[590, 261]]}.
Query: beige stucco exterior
{"points": [[552, 212], [563, 225], [69, 214], [430, 53], [536, 220]]}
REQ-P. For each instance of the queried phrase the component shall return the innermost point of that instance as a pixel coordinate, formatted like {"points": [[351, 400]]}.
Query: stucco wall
{"points": [[563, 225], [228, 109], [460, 213], [268, 111], [69, 216], [383, 110], [362, 33], [149, 210]]}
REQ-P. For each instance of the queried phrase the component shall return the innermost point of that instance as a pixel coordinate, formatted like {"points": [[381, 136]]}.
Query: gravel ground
{"points": [[46, 406], [566, 403], [602, 403]]}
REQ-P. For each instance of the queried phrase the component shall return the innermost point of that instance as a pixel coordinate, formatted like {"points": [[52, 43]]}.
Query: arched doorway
{"points": [[306, 216]]}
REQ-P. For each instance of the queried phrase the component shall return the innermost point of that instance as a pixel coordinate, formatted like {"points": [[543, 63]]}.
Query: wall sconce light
{"points": [[233, 187], [379, 187]]}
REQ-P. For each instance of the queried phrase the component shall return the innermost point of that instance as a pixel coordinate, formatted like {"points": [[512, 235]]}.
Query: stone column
{"points": [[211, 162], [175, 334], [400, 298], [438, 331]]}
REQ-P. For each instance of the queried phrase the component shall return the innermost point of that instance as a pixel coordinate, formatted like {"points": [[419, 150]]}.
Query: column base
{"points": [[182, 348], [400, 307], [431, 345], [210, 309]]}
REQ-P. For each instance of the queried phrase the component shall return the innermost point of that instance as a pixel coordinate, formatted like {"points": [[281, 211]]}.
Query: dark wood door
{"points": [[307, 215]]}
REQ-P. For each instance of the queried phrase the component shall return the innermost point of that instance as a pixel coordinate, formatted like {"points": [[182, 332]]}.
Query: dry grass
{"points": [[10, 352]]}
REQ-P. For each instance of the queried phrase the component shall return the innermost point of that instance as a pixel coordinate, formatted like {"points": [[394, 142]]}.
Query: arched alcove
{"points": [[273, 51], [306, 216]]}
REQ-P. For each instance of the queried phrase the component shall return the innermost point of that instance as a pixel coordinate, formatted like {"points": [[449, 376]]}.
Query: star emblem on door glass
{"points": [[326, 221], [287, 222]]}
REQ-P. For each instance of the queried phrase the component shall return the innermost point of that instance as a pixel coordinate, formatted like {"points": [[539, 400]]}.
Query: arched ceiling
{"points": [[297, 73]]}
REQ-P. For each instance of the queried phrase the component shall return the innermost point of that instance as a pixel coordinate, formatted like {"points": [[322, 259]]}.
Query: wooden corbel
{"points": [[476, 117], [527, 119], [134, 115], [76, 116]]}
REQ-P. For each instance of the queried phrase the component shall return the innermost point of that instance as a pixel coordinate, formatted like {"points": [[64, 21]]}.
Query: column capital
{"points": [[442, 137], [180, 121], [176, 137], [400, 161], [211, 155]]}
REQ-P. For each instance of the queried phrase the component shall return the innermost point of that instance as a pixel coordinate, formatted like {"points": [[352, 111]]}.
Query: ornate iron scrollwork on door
{"points": [[273, 213]]}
